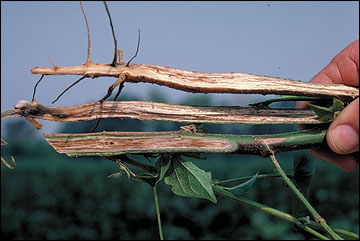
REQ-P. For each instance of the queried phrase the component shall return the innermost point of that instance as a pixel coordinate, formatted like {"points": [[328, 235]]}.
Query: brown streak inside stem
{"points": [[197, 82], [148, 110]]}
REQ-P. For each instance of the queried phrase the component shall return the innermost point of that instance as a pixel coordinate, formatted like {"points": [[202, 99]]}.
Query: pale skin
{"points": [[343, 134]]}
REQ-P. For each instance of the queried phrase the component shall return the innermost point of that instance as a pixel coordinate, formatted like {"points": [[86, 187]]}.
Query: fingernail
{"points": [[344, 139]]}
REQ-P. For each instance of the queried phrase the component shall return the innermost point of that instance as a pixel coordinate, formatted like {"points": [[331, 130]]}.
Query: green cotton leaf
{"points": [[338, 105], [187, 180], [242, 187], [162, 166], [327, 114], [324, 114]]}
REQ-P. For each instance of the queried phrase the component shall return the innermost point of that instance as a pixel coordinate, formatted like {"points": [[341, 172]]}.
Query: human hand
{"points": [[343, 134]]}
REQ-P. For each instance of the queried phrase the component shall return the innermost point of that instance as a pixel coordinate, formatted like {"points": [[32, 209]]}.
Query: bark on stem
{"points": [[197, 82]]}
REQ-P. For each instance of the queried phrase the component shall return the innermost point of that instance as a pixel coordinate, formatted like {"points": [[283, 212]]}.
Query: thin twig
{"points": [[4, 143], [7, 164], [119, 81], [342, 232], [33, 97], [285, 216], [121, 86], [52, 62], [137, 49], [158, 213], [88, 31], [313, 212], [96, 125], [116, 96], [121, 58], [114, 63], [229, 181], [125, 169], [69, 88]]}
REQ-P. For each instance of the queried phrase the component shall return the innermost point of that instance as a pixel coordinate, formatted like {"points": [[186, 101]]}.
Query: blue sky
{"points": [[284, 39]]}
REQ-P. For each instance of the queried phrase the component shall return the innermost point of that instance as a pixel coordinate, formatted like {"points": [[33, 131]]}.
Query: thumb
{"points": [[343, 133]]}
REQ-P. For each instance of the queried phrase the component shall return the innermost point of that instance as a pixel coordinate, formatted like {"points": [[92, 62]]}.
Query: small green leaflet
{"points": [[328, 114], [186, 179], [242, 187]]}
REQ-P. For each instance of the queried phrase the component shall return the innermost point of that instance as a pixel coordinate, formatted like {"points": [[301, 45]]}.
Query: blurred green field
{"points": [[52, 196]]}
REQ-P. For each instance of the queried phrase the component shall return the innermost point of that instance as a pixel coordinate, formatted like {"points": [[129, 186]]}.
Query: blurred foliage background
{"points": [[52, 196]]}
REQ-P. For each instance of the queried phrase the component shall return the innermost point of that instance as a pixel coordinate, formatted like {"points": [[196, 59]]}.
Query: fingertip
{"points": [[343, 133], [343, 139]]}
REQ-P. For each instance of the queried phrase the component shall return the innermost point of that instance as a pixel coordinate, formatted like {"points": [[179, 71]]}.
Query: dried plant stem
{"points": [[118, 143], [197, 82], [88, 60], [154, 111], [4, 143], [7, 164]]}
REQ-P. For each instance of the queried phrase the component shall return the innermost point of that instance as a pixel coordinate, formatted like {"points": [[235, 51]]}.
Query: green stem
{"points": [[261, 207], [342, 232], [217, 182], [158, 213], [302, 198], [347, 233], [285, 98], [285, 216]]}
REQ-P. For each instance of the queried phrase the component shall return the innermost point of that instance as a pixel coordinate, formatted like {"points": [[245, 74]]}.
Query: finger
{"points": [[343, 68], [343, 133], [346, 162]]}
